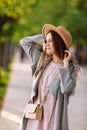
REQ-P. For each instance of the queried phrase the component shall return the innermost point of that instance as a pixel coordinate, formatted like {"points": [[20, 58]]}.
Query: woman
{"points": [[55, 71]]}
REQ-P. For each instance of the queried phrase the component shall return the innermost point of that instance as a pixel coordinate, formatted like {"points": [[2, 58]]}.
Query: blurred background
{"points": [[23, 18]]}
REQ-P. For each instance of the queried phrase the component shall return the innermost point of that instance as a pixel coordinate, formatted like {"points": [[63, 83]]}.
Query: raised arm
{"points": [[31, 46]]}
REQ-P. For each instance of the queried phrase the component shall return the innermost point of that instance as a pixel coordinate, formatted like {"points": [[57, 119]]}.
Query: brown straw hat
{"points": [[63, 32]]}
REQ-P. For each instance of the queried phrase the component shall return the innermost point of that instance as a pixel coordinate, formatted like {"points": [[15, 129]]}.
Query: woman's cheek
{"points": [[50, 51]]}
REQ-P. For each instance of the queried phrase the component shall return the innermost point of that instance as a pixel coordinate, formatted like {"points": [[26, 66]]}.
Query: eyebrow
{"points": [[50, 39]]}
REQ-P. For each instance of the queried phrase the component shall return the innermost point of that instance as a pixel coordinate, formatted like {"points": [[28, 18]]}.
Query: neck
{"points": [[57, 60]]}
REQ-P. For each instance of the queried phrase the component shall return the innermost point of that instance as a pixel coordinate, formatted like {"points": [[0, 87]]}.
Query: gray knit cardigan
{"points": [[60, 88]]}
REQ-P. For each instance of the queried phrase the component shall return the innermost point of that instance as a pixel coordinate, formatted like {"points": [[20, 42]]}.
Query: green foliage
{"points": [[2, 92], [27, 18], [15, 8], [3, 82], [4, 79]]}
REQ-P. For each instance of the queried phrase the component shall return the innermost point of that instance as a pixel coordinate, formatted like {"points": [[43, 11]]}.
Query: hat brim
{"points": [[48, 27]]}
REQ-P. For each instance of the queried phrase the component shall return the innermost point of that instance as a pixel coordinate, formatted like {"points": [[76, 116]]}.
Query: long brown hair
{"points": [[58, 44], [59, 47]]}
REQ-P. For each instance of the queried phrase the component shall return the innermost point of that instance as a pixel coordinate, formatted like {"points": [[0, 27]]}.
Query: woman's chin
{"points": [[49, 53]]}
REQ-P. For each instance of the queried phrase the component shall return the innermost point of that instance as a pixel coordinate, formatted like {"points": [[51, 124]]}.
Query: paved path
{"points": [[78, 104], [18, 92]]}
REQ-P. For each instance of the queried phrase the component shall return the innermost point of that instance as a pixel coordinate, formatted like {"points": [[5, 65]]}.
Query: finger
{"points": [[67, 51]]}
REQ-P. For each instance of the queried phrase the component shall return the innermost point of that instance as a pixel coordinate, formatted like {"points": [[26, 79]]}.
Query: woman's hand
{"points": [[67, 57]]}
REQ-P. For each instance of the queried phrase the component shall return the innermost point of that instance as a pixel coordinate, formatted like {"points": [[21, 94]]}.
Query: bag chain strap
{"points": [[46, 94]]}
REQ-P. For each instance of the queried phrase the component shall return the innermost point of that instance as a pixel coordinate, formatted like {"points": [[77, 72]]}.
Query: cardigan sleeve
{"points": [[32, 46], [68, 81]]}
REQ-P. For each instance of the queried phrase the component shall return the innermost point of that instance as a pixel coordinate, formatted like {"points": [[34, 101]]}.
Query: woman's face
{"points": [[49, 45]]}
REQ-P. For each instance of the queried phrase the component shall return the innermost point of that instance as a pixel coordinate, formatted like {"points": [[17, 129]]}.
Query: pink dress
{"points": [[47, 121]]}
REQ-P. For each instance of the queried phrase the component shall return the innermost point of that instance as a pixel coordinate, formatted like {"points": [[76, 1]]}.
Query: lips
{"points": [[48, 48]]}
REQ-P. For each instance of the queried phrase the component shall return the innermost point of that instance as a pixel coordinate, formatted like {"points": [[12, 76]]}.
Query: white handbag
{"points": [[35, 111]]}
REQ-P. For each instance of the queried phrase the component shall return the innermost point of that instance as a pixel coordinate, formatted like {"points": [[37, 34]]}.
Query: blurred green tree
{"points": [[20, 18]]}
